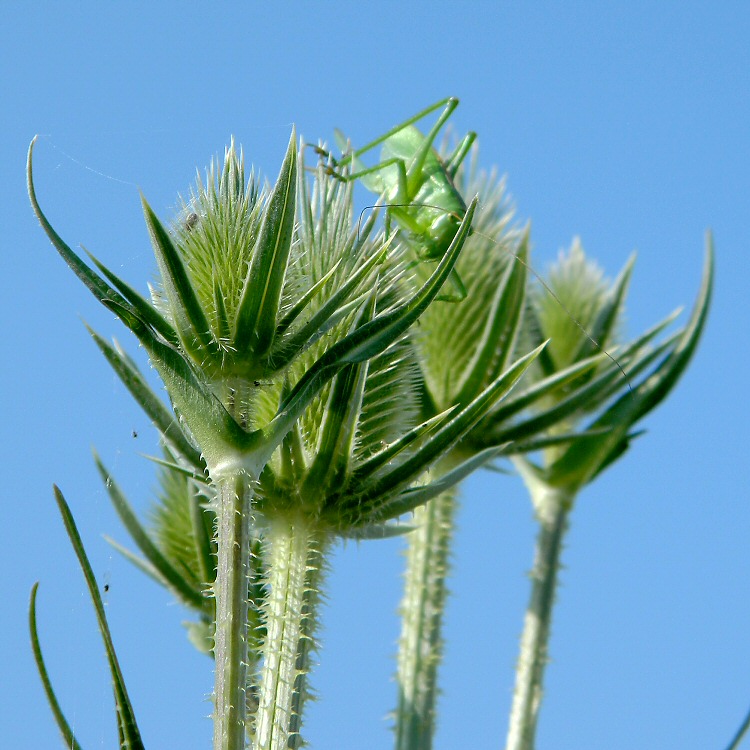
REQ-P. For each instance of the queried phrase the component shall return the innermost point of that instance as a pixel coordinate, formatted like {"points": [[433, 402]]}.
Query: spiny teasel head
{"points": [[215, 232], [598, 385], [578, 309], [250, 279]]}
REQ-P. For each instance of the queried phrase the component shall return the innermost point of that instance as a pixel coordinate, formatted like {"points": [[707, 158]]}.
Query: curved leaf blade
{"points": [[62, 723], [130, 738]]}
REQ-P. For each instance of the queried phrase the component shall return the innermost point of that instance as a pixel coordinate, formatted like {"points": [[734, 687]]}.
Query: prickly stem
{"points": [[230, 590], [293, 558], [422, 607], [553, 507]]}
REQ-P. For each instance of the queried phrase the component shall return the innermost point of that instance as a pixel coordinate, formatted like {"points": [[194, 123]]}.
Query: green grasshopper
{"points": [[416, 184]]}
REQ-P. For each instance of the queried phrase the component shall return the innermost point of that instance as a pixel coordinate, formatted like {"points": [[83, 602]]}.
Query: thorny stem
{"points": [[293, 560], [420, 645], [552, 508], [230, 590]]}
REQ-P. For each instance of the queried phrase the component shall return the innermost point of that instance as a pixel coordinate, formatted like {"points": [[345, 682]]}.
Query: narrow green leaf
{"points": [[257, 313], [657, 390], [287, 350], [125, 313], [151, 552], [338, 429], [69, 737], [389, 452], [377, 531], [597, 338], [549, 385], [130, 738], [520, 447], [190, 320], [172, 466], [103, 292], [411, 498], [146, 312], [501, 324], [740, 733], [139, 562], [305, 300], [151, 404], [339, 422]]}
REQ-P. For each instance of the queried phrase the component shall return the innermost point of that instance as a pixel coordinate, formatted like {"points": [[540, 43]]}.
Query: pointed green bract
{"points": [[260, 302], [169, 574], [186, 311], [151, 404]]}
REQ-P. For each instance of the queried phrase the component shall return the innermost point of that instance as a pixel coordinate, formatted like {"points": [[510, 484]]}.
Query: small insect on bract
{"points": [[191, 221]]}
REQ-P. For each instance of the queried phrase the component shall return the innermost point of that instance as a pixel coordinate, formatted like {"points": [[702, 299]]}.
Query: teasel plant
{"points": [[649, 368], [282, 333], [576, 409]]}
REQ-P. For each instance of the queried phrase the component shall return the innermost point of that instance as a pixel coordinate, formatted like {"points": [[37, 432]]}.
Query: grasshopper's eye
{"points": [[191, 221]]}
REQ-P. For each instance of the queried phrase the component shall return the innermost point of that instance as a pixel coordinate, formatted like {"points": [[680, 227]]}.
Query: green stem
{"points": [[293, 560], [230, 590], [552, 507], [420, 646]]}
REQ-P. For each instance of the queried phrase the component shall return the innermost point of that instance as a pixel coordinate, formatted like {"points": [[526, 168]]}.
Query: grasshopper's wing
{"points": [[429, 184]]}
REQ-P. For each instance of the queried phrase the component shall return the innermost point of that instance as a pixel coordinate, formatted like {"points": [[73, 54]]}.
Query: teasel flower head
{"points": [[237, 307], [616, 382]]}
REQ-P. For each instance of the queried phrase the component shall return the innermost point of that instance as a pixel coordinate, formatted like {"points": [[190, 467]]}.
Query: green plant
{"points": [[576, 408], [299, 420], [320, 389]]}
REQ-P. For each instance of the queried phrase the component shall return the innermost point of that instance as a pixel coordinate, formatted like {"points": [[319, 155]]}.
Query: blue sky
{"points": [[627, 125]]}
